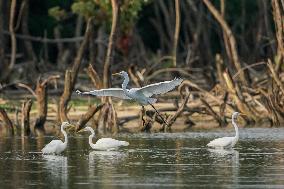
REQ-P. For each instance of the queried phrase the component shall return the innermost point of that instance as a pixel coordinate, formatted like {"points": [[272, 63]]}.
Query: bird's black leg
{"points": [[158, 114], [143, 112]]}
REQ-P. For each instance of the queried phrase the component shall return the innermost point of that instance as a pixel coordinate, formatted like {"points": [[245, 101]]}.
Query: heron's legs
{"points": [[143, 112], [159, 114]]}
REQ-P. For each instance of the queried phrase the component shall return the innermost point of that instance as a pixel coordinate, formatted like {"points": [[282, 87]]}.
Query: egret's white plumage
{"points": [[104, 143], [226, 142], [141, 95], [57, 146]]}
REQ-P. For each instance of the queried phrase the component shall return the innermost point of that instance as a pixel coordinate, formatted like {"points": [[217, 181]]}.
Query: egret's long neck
{"points": [[125, 82], [91, 140], [65, 136], [235, 126]]}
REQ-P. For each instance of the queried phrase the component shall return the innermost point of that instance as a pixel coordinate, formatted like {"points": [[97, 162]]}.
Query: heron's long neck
{"points": [[125, 83], [236, 127], [65, 136], [91, 141]]}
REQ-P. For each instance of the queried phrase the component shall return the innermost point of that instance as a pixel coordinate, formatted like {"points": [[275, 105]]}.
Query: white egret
{"points": [[104, 143], [227, 142], [141, 95], [57, 146]]}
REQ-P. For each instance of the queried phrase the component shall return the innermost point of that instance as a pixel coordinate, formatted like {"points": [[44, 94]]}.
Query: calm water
{"points": [[164, 160]]}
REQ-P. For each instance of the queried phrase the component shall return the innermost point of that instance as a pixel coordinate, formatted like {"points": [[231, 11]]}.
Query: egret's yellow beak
{"points": [[70, 127], [81, 130], [116, 74]]}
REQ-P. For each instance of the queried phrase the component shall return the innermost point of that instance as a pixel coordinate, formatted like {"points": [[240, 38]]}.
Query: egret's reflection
{"points": [[222, 152], [105, 161], [231, 158], [111, 157], [57, 166]]}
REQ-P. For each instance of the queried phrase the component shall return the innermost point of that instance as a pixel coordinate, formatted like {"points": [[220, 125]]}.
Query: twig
{"points": [[46, 40], [275, 76], [173, 118], [212, 112], [23, 4], [49, 79], [94, 77], [28, 88], [177, 30], [13, 37], [158, 72], [247, 67]]}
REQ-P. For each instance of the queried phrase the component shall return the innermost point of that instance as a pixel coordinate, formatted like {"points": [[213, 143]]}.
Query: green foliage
{"points": [[102, 10], [57, 13], [86, 8], [129, 12]]}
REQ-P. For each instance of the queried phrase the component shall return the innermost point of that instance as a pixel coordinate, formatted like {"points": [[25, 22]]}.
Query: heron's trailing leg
{"points": [[143, 112], [159, 114]]}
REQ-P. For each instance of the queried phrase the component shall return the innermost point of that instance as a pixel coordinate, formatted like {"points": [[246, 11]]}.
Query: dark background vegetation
{"points": [[48, 35]]}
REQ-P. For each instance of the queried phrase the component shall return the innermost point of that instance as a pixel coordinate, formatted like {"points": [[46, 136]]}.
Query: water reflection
{"points": [[222, 152], [57, 167], [153, 160], [107, 157]]}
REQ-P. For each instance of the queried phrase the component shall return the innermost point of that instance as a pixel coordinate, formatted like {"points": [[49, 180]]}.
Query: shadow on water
{"points": [[151, 160]]}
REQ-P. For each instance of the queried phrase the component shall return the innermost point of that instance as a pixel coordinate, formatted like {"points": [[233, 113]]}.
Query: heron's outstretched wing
{"points": [[160, 88], [115, 92]]}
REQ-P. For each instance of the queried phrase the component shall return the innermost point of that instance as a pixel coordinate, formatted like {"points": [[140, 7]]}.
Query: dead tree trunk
{"points": [[108, 114], [278, 18], [25, 29], [13, 39], [25, 121], [231, 40], [41, 96], [176, 35], [60, 47], [71, 75], [5, 118], [65, 97], [2, 38], [87, 116], [111, 42]]}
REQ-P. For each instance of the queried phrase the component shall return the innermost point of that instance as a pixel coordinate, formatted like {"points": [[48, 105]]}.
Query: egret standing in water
{"points": [[227, 142], [104, 143], [141, 95], [57, 146]]}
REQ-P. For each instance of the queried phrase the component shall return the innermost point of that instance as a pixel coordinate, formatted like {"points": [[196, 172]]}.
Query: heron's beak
{"points": [[116, 74], [80, 131], [70, 127]]}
